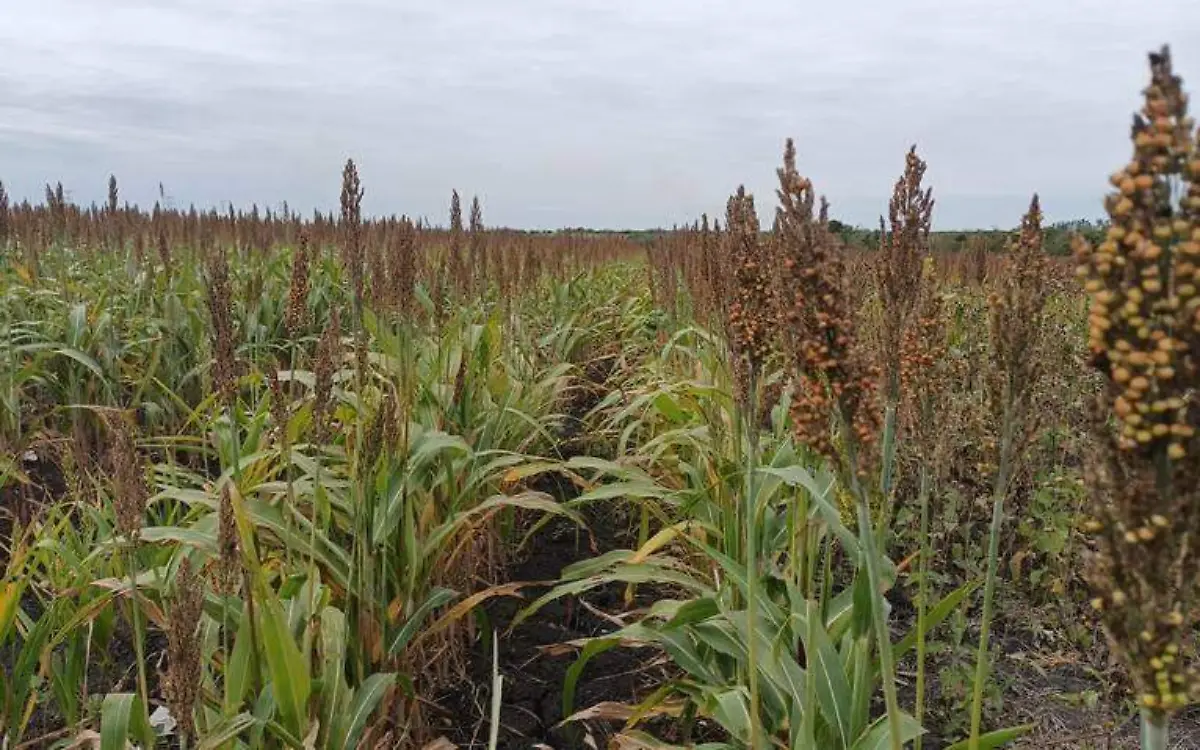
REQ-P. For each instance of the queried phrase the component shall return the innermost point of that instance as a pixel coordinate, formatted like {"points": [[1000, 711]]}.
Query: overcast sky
{"points": [[607, 113]]}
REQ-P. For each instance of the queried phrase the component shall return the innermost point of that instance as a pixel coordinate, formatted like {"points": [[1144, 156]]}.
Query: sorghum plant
{"points": [[834, 377], [182, 683], [1144, 335], [1017, 319]]}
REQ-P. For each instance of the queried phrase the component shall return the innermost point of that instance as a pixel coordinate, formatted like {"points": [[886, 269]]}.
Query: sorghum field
{"points": [[358, 482]]}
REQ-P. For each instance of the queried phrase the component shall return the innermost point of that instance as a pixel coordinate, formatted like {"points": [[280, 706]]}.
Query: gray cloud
{"points": [[594, 112]]}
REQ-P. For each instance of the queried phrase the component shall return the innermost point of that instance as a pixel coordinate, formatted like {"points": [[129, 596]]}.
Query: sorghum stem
{"points": [[1154, 730]]}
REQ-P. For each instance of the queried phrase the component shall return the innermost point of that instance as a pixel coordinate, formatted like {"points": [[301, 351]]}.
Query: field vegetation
{"points": [[338, 481]]}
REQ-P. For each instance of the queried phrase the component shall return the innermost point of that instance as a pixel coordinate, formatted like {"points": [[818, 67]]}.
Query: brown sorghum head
{"points": [[748, 320], [1017, 323], [923, 370], [834, 377], [328, 357], [220, 301], [709, 300], [403, 268], [898, 268], [164, 251], [477, 251], [977, 258], [4, 211], [394, 421], [296, 317], [182, 683], [1144, 335], [129, 478], [351, 228], [455, 264], [228, 560], [112, 195], [375, 436]]}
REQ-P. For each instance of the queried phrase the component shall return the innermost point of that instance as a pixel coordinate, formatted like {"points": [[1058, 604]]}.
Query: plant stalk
{"points": [[138, 635], [989, 588], [922, 600], [751, 519], [1154, 730]]}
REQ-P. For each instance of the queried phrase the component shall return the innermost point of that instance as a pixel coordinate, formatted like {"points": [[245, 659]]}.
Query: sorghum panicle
{"points": [[112, 195], [228, 544], [456, 265], [834, 377], [477, 244], [351, 228], [220, 300], [129, 478], [1144, 335], [328, 357], [1017, 323], [715, 270], [748, 321], [182, 683], [164, 252], [403, 268], [924, 376], [898, 267], [4, 217], [296, 316]]}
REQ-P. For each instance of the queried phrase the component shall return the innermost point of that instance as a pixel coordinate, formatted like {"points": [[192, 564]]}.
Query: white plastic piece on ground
{"points": [[162, 722]]}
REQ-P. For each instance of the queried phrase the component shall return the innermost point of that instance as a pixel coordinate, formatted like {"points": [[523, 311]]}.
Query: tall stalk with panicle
{"points": [[219, 297], [477, 244], [113, 195], [4, 216], [328, 355], [296, 319], [1016, 315], [129, 506], [903, 243], [834, 378], [352, 239], [924, 377], [352, 234], [220, 300], [402, 269], [1143, 280], [455, 265], [748, 327]]}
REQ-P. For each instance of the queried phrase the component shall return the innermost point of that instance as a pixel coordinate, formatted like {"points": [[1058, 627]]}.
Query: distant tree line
{"points": [[1056, 237]]}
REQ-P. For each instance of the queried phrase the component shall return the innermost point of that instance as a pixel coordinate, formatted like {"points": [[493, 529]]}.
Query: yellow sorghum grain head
{"points": [[1144, 481]]}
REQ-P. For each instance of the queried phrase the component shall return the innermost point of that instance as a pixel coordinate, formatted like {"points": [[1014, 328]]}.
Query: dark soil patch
{"points": [[112, 668], [21, 502], [532, 711]]}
